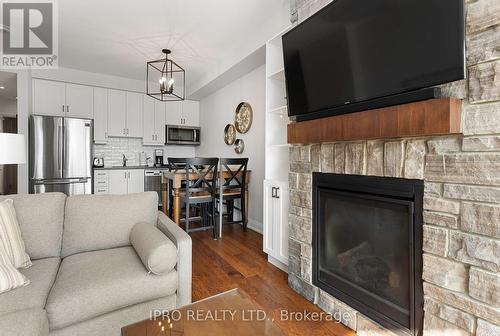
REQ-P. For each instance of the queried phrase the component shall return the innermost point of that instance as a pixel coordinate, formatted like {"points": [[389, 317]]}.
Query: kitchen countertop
{"points": [[130, 167]]}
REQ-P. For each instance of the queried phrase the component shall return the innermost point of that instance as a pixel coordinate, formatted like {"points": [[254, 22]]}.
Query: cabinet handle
{"points": [[125, 174], [67, 108], [63, 108], [277, 190], [273, 190]]}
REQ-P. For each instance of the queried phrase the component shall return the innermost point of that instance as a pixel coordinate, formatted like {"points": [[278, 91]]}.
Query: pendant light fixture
{"points": [[165, 79]]}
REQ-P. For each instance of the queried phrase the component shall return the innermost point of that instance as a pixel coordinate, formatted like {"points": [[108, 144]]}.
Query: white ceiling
{"points": [[117, 37]]}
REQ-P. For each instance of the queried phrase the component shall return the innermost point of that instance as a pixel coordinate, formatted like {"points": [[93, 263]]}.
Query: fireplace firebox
{"points": [[367, 246]]}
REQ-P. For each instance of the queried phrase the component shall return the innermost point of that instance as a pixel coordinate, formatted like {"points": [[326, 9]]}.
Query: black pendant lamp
{"points": [[165, 79]]}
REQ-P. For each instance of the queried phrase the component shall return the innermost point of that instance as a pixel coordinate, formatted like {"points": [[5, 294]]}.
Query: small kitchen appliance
{"points": [[98, 162], [158, 157]]}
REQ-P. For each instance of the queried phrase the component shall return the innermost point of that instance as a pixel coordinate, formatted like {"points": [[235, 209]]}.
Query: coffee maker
{"points": [[158, 157]]}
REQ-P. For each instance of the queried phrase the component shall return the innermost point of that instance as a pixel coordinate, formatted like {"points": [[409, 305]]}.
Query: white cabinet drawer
{"points": [[101, 174], [101, 190], [101, 183]]}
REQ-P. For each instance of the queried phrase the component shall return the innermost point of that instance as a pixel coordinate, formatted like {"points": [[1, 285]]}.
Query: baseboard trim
{"points": [[254, 226], [277, 263]]}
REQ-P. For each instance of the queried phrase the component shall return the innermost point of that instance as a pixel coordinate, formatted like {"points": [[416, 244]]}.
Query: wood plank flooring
{"points": [[237, 261]]}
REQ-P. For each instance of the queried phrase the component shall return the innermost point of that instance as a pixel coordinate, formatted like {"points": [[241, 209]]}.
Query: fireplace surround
{"points": [[367, 246]]}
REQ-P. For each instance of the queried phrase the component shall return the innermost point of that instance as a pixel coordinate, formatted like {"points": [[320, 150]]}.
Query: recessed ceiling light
{"points": [[2, 87]]}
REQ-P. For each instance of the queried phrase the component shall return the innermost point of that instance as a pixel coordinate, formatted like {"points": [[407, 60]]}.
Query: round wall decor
{"points": [[243, 117], [239, 146], [229, 134]]}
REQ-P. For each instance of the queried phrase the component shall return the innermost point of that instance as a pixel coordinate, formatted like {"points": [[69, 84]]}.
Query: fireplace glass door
{"points": [[364, 250]]}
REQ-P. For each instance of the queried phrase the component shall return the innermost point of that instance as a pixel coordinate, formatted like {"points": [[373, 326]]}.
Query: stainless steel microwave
{"points": [[182, 135]]}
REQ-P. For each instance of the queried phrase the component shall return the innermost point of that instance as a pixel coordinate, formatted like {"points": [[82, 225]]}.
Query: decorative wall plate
{"points": [[229, 134], [243, 117], [239, 146]]}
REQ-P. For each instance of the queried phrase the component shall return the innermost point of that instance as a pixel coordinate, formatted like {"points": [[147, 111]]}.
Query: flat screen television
{"points": [[362, 54]]}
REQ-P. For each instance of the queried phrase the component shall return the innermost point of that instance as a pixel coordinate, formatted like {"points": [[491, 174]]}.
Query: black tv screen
{"points": [[358, 50]]}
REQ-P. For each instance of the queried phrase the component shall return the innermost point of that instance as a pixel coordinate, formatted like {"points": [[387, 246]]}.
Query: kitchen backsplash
{"points": [[115, 148]]}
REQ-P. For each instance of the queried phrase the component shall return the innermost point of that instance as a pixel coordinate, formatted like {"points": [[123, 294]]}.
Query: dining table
{"points": [[177, 178]]}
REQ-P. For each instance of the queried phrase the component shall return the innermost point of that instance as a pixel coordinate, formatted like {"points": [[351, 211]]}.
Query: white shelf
{"points": [[277, 75], [281, 110], [280, 145]]}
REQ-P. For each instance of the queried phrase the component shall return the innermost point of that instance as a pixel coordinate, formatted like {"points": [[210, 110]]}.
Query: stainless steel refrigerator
{"points": [[60, 155]]}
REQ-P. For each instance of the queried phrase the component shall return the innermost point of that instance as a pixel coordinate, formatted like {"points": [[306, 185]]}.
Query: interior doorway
{"points": [[8, 124]]}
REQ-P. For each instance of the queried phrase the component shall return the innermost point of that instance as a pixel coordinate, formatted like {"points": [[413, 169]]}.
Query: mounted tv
{"points": [[356, 55]]}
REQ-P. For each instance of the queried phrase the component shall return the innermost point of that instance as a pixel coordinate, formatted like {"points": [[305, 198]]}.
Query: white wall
{"points": [[217, 110]]}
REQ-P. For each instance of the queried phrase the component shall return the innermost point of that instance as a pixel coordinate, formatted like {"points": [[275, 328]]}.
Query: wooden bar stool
{"points": [[232, 186]]}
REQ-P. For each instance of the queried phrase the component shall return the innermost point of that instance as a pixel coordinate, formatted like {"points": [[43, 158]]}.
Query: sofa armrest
{"points": [[184, 256]]}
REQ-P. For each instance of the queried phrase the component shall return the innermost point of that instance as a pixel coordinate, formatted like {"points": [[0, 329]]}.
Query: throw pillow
{"points": [[10, 236], [157, 253], [10, 277]]}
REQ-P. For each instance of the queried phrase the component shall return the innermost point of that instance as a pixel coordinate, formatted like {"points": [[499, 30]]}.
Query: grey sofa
{"points": [[86, 278]]}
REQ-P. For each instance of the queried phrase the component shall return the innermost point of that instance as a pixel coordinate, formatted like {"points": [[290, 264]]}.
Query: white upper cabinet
{"points": [[134, 114], [49, 97], [154, 121], [159, 126], [117, 113], [191, 113], [79, 101], [148, 110], [62, 99], [173, 114], [183, 113], [100, 115]]}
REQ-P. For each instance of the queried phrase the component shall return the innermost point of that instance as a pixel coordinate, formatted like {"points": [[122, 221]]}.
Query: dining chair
{"points": [[232, 187], [174, 165], [200, 190]]}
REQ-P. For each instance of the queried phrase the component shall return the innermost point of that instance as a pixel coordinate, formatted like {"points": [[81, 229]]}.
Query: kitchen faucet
{"points": [[124, 160]]}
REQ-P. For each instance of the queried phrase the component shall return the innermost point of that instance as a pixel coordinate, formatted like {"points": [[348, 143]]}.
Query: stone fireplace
{"points": [[461, 202]]}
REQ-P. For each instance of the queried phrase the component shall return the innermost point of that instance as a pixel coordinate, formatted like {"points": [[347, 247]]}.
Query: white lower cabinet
{"points": [[276, 220], [135, 182], [119, 181]]}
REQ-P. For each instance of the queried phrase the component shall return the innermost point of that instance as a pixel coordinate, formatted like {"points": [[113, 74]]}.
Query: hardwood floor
{"points": [[237, 261]]}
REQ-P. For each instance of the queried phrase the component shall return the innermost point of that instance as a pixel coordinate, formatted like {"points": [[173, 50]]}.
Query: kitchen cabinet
{"points": [[49, 98], [124, 114], [79, 101], [191, 113], [173, 113], [62, 99], [186, 112], [135, 181], [276, 220], [100, 115], [124, 181], [117, 117], [153, 122], [134, 115]]}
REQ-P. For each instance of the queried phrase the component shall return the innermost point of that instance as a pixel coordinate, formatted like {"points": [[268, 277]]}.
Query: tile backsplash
{"points": [[115, 148]]}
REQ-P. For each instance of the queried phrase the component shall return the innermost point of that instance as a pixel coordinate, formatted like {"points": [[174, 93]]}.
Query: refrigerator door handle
{"points": [[60, 149]]}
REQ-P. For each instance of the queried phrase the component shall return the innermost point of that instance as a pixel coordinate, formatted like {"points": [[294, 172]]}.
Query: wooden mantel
{"points": [[431, 117]]}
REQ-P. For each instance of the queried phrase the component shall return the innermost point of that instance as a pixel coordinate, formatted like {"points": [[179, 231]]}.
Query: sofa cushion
{"points": [[42, 276], [93, 283], [157, 252], [41, 218], [31, 322], [96, 222]]}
